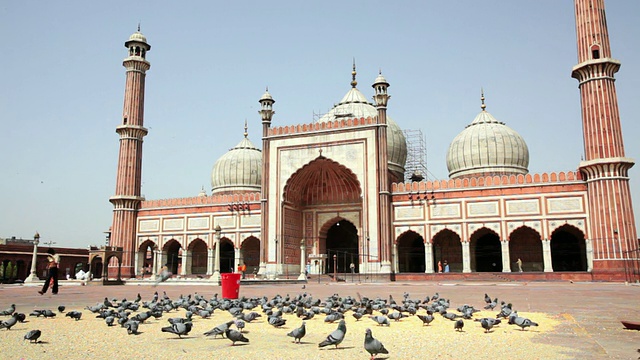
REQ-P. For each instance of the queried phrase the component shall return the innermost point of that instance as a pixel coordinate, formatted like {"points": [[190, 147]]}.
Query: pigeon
{"points": [[491, 305], [109, 320], [219, 330], [132, 327], [61, 308], [277, 321], [235, 336], [459, 325], [522, 322], [76, 315], [505, 311], [336, 337], [357, 316], [298, 333], [7, 324], [33, 335], [21, 317], [426, 319], [488, 323], [396, 316], [179, 328], [487, 298], [239, 324], [372, 345], [333, 317], [381, 320], [9, 311], [48, 314]]}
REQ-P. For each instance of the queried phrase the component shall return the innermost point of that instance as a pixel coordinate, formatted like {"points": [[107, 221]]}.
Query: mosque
{"points": [[330, 196]]}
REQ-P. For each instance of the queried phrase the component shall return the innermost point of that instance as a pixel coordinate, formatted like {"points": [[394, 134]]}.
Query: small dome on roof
{"points": [[137, 36], [239, 170], [487, 147]]}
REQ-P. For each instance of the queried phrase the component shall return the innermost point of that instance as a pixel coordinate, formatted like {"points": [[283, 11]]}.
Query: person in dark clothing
{"points": [[52, 277]]}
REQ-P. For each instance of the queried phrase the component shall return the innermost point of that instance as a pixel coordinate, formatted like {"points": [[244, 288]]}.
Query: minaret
{"points": [[381, 98], [266, 113], [612, 229], [126, 201]]}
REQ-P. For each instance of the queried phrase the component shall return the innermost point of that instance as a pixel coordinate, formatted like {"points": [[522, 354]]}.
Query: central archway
{"points": [[486, 251], [342, 241], [447, 247]]}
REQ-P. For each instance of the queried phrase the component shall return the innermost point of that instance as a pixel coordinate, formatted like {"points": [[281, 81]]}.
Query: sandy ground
{"points": [[90, 337], [577, 321]]}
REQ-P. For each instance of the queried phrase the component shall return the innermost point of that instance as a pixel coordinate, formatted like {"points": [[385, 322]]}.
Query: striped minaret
{"points": [[126, 201], [381, 97], [612, 227]]}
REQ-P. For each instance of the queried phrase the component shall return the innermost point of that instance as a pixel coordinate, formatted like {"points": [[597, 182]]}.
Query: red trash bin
{"points": [[230, 285]]}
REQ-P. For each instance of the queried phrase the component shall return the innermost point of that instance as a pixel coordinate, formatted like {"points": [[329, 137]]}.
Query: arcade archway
{"points": [[174, 258], [525, 244], [250, 252], [198, 255], [568, 249], [227, 256], [447, 247], [486, 251], [411, 253]]}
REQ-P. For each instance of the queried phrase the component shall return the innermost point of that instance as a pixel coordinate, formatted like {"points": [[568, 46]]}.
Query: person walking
{"points": [[439, 266], [519, 263], [446, 266], [52, 274]]}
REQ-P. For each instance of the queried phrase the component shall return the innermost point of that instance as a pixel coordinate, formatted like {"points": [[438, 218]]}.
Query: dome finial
{"points": [[353, 74], [483, 106], [245, 129], [138, 26]]}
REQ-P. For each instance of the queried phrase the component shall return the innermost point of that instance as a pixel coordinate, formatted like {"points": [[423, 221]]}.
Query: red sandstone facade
{"points": [[328, 189]]}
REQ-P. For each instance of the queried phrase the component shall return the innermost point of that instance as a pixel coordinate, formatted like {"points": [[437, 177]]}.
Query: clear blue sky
{"points": [[63, 83]]}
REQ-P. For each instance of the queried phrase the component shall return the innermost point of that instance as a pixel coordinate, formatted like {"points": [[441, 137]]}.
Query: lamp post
{"points": [[33, 277], [303, 256], [216, 261], [335, 267]]}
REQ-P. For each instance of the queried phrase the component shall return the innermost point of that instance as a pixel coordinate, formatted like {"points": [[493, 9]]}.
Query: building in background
{"points": [[333, 192]]}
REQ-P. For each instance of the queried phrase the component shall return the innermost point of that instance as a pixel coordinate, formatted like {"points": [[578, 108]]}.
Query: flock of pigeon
{"points": [[304, 306]]}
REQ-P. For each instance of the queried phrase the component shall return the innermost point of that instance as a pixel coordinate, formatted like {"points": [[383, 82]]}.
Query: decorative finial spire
{"points": [[267, 88], [138, 26], [483, 106], [245, 129], [353, 75]]}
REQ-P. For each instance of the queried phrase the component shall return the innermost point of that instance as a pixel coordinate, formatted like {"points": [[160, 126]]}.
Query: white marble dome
{"points": [[355, 105], [487, 147], [239, 170]]}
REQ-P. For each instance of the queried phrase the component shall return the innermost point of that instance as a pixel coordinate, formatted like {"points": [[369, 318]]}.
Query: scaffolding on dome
{"points": [[416, 165]]}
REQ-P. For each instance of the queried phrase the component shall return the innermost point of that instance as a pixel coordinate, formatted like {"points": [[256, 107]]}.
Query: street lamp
{"points": [[216, 264], [33, 277]]}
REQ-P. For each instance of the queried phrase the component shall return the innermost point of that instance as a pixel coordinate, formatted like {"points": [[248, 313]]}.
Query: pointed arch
{"points": [[525, 244], [447, 246], [250, 253], [146, 257], [227, 255], [485, 251], [339, 237], [197, 255], [411, 252], [322, 181], [568, 249], [172, 249]]}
